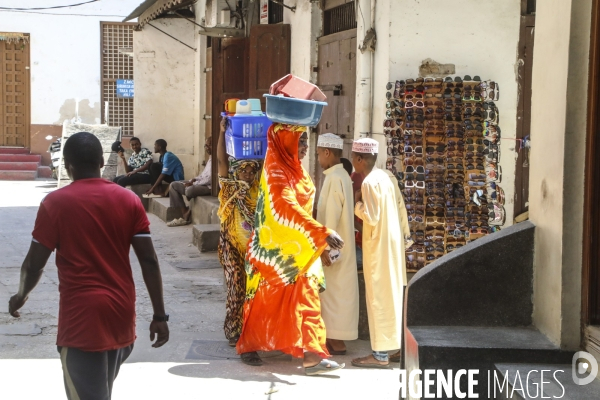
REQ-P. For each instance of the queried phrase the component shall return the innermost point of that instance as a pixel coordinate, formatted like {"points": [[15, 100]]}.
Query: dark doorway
{"points": [[245, 68], [229, 81], [524, 105], [269, 57]]}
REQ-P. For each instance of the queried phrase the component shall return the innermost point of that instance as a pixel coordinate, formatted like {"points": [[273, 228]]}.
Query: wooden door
{"points": [[14, 94], [230, 80], [524, 112], [269, 57], [337, 79]]}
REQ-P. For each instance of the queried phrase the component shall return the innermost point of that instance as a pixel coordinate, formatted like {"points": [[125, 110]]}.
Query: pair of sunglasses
{"points": [[413, 132], [415, 184], [412, 160], [413, 150]]}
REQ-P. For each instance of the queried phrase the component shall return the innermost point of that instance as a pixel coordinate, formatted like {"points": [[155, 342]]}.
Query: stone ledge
{"points": [[488, 282], [204, 210], [160, 206], [206, 237], [140, 189]]}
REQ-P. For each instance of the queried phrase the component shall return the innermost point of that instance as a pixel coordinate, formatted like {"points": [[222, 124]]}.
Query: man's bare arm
{"points": [[144, 250], [31, 272]]}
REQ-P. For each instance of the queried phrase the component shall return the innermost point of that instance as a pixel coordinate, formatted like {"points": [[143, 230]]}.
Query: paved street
{"points": [[195, 364]]}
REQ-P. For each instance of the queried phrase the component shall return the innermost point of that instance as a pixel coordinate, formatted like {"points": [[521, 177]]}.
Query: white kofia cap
{"points": [[365, 145], [330, 140]]}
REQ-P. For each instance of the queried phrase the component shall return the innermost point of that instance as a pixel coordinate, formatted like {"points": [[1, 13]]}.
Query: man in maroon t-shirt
{"points": [[91, 224]]}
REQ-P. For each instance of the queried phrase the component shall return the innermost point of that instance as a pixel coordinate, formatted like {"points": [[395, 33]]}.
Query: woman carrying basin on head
{"points": [[239, 190], [282, 309]]}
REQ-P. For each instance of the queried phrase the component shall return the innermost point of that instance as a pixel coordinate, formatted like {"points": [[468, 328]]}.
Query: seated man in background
{"points": [[199, 186], [167, 169], [137, 166]]}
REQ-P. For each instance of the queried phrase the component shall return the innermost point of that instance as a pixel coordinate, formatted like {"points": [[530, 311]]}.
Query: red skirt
{"points": [[285, 318]]}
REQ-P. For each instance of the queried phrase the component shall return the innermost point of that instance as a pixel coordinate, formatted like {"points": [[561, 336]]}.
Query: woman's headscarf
{"points": [[284, 152], [235, 166]]}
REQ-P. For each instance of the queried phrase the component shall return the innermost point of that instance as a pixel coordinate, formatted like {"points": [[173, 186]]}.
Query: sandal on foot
{"points": [[395, 357], [324, 367], [177, 222], [251, 358], [370, 362], [151, 196], [334, 352], [233, 341]]}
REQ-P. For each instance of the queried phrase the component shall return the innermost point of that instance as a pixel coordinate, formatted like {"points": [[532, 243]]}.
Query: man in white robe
{"points": [[383, 262], [335, 210], [405, 229]]}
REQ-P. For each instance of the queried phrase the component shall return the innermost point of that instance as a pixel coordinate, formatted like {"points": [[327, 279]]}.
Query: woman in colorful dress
{"points": [[239, 190], [137, 167], [282, 309]]}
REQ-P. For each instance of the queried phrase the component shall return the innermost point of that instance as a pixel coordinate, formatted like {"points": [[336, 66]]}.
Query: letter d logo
{"points": [[580, 368]]}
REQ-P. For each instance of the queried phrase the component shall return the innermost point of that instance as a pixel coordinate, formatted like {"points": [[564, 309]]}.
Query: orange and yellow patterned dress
{"points": [[236, 212], [282, 310]]}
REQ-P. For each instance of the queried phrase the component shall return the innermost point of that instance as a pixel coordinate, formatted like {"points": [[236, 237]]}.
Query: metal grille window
{"points": [[116, 44], [338, 19], [275, 12]]}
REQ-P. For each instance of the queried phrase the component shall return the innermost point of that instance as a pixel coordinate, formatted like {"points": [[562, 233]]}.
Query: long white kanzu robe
{"points": [[402, 221], [339, 301], [382, 260]]}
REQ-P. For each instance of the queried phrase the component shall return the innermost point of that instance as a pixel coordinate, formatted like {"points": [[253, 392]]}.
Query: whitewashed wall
{"points": [[65, 56], [479, 37], [556, 183], [165, 92]]}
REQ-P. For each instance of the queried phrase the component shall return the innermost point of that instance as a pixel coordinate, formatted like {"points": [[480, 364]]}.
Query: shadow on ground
{"points": [[243, 373]]}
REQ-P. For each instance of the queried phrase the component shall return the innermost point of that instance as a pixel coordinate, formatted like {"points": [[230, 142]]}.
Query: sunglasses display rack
{"points": [[443, 146]]}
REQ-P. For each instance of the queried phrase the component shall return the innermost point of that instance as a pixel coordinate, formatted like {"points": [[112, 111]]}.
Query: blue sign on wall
{"points": [[125, 88]]}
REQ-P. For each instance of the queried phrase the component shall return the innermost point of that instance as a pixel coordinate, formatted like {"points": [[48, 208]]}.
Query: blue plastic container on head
{"points": [[246, 136], [246, 125], [287, 110], [245, 148]]}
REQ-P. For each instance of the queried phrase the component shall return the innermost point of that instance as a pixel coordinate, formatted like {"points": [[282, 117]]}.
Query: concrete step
{"points": [[206, 237], [20, 158], [204, 210], [44, 172], [12, 175], [141, 189], [524, 382], [160, 206], [13, 150], [19, 166], [471, 347]]}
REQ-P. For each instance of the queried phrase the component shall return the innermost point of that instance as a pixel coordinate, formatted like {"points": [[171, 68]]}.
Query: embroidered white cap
{"points": [[366, 145], [330, 140]]}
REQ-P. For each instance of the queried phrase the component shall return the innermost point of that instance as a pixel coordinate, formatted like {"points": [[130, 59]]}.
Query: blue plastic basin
{"points": [[287, 110]]}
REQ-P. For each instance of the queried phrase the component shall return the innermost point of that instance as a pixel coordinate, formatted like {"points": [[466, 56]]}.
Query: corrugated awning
{"points": [[14, 37], [151, 9]]}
